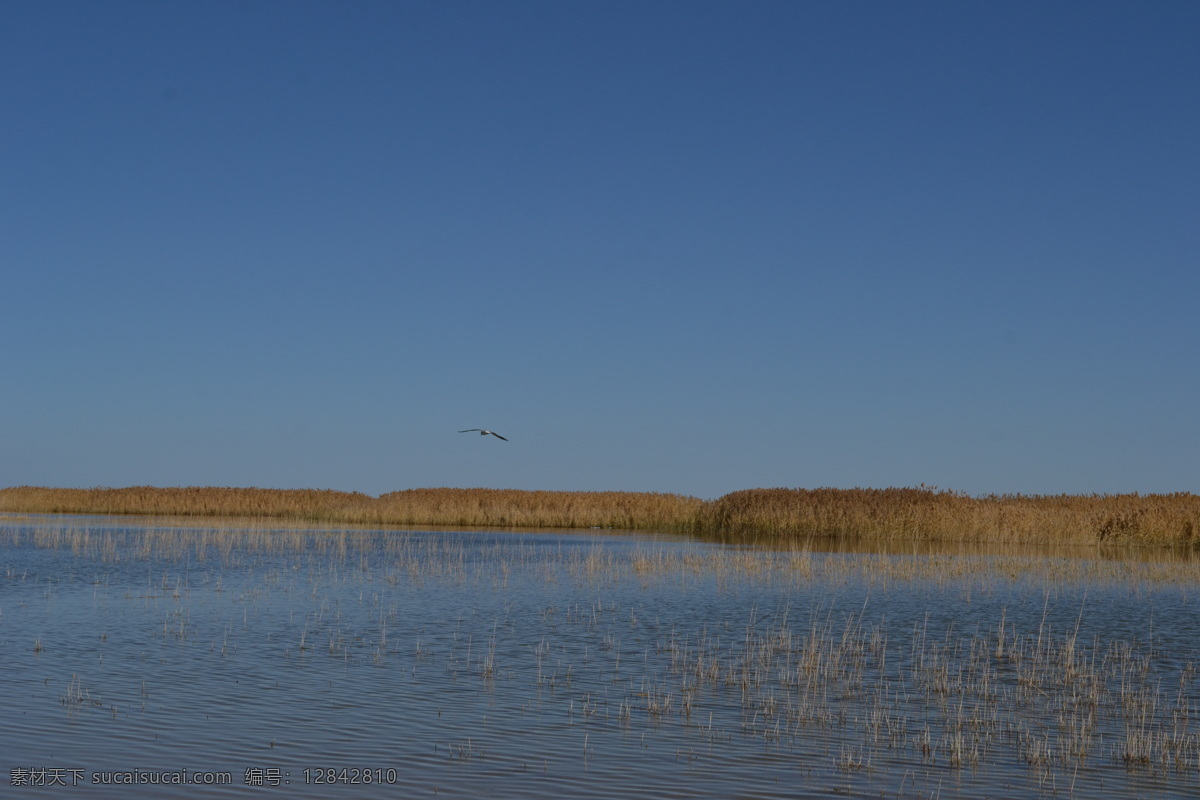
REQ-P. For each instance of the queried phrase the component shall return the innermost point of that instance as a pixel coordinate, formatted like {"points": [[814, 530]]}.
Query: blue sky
{"points": [[683, 247]]}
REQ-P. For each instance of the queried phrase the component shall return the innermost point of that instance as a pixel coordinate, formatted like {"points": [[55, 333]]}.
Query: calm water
{"points": [[585, 664]]}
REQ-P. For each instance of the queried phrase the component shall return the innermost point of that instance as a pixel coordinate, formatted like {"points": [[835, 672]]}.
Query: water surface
{"points": [[308, 661]]}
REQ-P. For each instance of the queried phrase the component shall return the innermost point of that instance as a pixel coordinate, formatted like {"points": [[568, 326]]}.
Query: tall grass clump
{"points": [[927, 513]]}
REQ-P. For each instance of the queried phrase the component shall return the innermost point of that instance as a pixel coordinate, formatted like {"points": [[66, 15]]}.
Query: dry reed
{"points": [[926, 513], [921, 513]]}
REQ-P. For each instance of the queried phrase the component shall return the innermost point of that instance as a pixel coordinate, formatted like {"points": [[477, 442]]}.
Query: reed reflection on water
{"points": [[583, 664]]}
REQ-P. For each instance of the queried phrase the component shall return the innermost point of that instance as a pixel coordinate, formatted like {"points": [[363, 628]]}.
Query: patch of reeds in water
{"points": [[872, 701], [921, 513]]}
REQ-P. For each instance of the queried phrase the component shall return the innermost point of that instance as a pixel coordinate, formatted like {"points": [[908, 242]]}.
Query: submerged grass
{"points": [[793, 670], [922, 513]]}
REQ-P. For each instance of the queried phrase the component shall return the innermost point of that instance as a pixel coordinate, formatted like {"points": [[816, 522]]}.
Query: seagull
{"points": [[482, 432]]}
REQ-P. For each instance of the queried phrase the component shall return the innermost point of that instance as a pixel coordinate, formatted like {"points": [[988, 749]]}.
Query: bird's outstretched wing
{"points": [[484, 432]]}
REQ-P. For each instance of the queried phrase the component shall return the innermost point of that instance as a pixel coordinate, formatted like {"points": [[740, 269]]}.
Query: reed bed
{"points": [[925, 513], [437, 506], [515, 508], [197, 501], [918, 514]]}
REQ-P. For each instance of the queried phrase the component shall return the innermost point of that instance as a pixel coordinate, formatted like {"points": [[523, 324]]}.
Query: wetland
{"points": [[221, 657]]}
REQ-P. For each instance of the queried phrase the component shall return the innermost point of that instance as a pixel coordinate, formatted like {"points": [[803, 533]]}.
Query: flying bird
{"points": [[482, 432]]}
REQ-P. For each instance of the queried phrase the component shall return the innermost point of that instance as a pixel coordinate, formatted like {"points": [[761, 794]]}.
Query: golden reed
{"points": [[909, 513], [926, 513], [490, 507]]}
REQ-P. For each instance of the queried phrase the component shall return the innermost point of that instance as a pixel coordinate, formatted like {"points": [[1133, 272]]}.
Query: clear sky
{"points": [[685, 247]]}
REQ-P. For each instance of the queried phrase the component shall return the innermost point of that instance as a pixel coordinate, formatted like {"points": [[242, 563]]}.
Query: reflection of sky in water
{"points": [[520, 665]]}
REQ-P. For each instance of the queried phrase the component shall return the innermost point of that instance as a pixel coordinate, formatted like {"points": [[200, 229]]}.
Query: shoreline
{"points": [[909, 514]]}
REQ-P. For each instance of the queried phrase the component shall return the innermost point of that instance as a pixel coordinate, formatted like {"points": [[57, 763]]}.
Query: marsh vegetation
{"points": [[787, 514], [589, 663]]}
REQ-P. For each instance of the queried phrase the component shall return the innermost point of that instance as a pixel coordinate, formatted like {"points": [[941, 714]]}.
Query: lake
{"points": [[233, 657]]}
